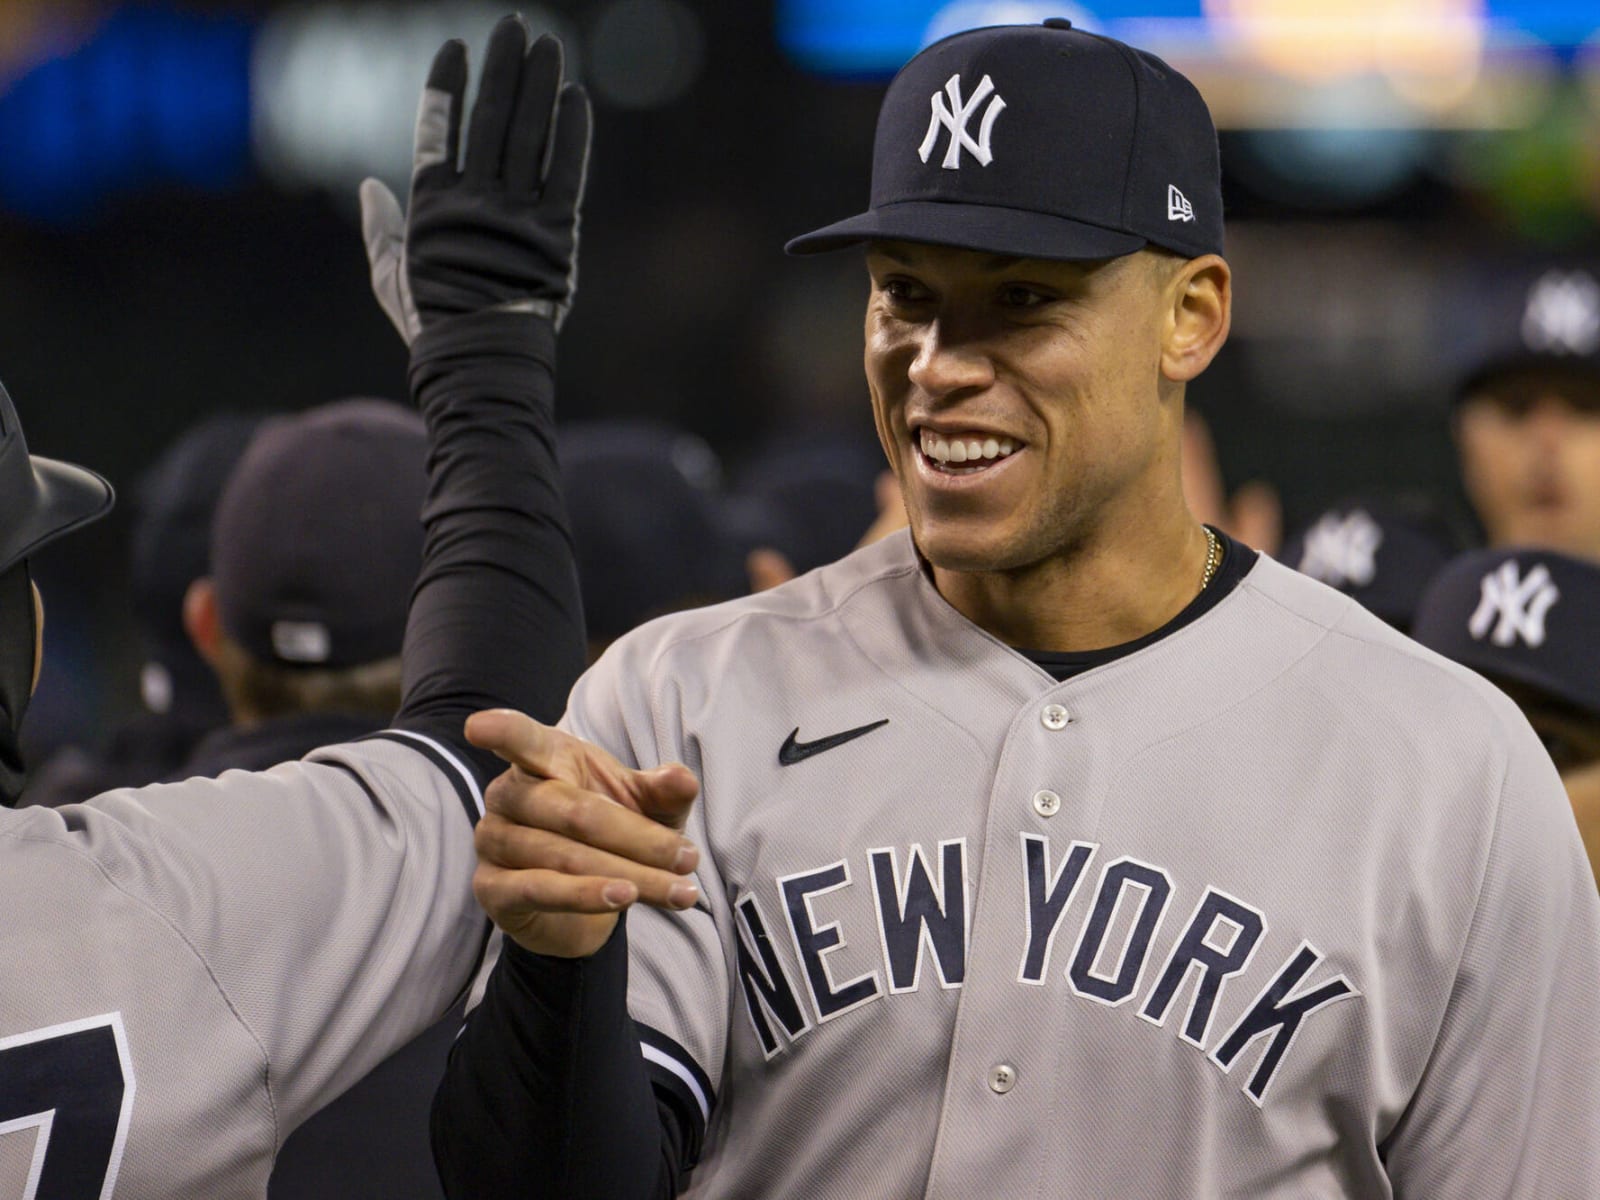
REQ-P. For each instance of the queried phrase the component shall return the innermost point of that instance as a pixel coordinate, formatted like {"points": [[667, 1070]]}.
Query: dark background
{"points": [[159, 303]]}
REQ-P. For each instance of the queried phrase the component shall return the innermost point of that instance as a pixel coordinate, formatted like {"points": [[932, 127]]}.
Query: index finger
{"points": [[539, 749]]}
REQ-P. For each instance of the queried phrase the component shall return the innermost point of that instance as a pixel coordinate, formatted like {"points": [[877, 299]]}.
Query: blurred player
{"points": [[644, 506], [1529, 620], [1064, 845], [180, 699], [1379, 551], [1527, 422], [196, 967], [315, 549]]}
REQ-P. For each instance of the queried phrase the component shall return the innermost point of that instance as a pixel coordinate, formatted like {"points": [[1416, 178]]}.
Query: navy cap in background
{"points": [[1542, 314], [1520, 615], [642, 501], [1041, 141], [809, 497], [173, 503], [317, 539], [1381, 552]]}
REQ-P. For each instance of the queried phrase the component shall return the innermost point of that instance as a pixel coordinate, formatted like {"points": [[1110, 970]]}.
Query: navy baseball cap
{"points": [[1375, 550], [317, 540], [173, 502], [1522, 615], [1542, 315], [1041, 141], [40, 498], [642, 503]]}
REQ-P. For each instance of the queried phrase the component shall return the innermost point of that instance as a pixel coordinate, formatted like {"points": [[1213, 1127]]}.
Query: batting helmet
{"points": [[40, 498]]}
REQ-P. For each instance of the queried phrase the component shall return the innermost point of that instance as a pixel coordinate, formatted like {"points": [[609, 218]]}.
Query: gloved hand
{"points": [[499, 231]]}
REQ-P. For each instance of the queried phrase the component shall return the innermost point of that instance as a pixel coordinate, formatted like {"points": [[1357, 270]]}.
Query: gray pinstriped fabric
{"points": [[1332, 932], [255, 944]]}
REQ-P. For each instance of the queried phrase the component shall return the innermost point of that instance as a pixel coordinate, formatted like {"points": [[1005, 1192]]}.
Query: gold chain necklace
{"points": [[1213, 557]]}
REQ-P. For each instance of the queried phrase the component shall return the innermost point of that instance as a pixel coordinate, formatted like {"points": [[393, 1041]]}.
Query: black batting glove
{"points": [[496, 229]]}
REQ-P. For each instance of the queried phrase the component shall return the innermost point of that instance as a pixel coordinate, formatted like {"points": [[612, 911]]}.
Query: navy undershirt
{"points": [[1237, 559]]}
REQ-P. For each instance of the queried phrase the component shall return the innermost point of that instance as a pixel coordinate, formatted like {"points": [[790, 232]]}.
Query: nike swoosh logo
{"points": [[794, 751]]}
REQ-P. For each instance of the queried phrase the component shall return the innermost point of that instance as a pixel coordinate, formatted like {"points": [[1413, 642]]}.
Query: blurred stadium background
{"points": [[178, 228]]}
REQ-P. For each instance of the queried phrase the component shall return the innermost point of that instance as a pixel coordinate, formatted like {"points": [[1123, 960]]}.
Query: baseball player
{"points": [[196, 967], [1525, 618], [1061, 846], [1380, 550], [1527, 416]]}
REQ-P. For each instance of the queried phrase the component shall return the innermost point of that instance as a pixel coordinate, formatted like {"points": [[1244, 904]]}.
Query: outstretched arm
{"points": [[477, 275]]}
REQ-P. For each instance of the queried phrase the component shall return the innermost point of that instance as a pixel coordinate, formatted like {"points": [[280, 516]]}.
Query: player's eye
{"points": [[900, 290], [1022, 295]]}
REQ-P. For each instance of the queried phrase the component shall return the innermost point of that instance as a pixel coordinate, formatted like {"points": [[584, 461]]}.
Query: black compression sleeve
{"points": [[546, 1094], [495, 618]]}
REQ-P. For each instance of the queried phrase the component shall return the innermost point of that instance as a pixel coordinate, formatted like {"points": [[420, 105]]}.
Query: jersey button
{"points": [[1054, 716], [1002, 1078], [1046, 803]]}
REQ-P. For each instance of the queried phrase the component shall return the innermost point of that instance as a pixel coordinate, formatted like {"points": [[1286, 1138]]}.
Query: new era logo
{"points": [[954, 115], [1563, 314], [1515, 606], [1178, 206], [1343, 551]]}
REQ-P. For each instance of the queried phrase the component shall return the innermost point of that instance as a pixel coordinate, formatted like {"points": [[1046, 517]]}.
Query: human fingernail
{"points": [[617, 893], [688, 857], [683, 895]]}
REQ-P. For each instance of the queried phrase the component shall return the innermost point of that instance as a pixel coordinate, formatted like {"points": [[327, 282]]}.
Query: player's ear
{"points": [[1199, 313], [200, 619]]}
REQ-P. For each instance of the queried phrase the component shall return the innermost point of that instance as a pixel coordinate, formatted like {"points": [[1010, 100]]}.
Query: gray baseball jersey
{"points": [[1280, 905], [300, 942]]}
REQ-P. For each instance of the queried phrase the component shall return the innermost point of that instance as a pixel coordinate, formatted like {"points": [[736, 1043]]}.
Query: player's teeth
{"points": [[991, 449], [1007, 446], [941, 450], [958, 452], [974, 451]]}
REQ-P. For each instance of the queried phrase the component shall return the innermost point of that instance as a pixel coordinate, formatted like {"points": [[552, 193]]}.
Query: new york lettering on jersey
{"points": [[1115, 908]]}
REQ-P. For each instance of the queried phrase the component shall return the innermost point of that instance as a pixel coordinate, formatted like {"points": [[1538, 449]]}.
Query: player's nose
{"points": [[949, 361]]}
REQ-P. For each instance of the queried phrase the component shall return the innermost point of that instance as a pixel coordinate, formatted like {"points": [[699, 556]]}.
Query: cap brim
{"points": [[988, 228], [1518, 361], [65, 498]]}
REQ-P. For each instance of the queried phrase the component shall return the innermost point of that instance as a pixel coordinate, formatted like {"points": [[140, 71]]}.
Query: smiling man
{"points": [[1061, 846]]}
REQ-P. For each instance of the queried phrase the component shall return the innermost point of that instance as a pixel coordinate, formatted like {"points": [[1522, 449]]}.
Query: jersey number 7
{"points": [[74, 1084]]}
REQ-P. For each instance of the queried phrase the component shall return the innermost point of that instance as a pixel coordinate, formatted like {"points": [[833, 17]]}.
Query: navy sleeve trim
{"points": [[469, 787], [678, 1080], [666, 1057]]}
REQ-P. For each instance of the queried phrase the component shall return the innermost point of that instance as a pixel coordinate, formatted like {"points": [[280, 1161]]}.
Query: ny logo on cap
{"points": [[954, 117], [1178, 206], [1515, 606], [1343, 550], [1563, 314]]}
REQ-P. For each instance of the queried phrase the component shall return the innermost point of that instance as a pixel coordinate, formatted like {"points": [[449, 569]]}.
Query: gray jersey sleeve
{"points": [[678, 974], [1518, 1052], [208, 962]]}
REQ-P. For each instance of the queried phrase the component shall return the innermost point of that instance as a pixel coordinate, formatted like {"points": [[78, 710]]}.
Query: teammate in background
{"points": [[215, 960], [1529, 620], [643, 501], [1064, 846], [1381, 552], [171, 548], [316, 546], [1527, 421]]}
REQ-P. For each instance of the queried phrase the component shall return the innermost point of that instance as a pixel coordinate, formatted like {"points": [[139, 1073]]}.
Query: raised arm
{"points": [[477, 276]]}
